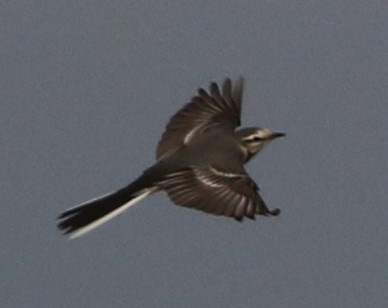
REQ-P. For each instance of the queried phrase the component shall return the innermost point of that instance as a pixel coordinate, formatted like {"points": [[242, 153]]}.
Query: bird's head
{"points": [[253, 139]]}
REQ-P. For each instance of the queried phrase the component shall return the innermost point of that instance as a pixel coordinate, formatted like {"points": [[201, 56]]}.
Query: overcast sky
{"points": [[86, 89]]}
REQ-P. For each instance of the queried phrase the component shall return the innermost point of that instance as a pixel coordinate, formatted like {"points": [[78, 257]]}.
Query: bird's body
{"points": [[200, 164]]}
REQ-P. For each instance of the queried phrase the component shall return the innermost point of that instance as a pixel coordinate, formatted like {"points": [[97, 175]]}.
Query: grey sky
{"points": [[86, 89]]}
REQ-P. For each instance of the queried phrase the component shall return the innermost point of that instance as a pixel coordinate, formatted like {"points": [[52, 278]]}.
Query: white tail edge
{"points": [[109, 216]]}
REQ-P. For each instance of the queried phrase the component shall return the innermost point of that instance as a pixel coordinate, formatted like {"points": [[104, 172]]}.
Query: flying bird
{"points": [[199, 164]]}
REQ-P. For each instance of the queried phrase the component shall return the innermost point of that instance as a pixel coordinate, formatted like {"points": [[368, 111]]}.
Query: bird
{"points": [[200, 162]]}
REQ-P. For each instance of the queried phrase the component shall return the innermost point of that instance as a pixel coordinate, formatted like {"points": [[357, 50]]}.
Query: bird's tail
{"points": [[85, 217]]}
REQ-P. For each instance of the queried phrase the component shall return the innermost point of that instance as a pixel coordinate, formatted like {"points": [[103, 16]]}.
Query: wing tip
{"points": [[274, 212]]}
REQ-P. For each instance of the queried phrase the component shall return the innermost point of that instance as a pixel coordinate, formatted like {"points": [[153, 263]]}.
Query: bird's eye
{"points": [[257, 138], [253, 139]]}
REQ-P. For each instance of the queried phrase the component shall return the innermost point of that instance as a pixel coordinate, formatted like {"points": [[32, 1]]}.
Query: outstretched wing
{"points": [[216, 192], [216, 108]]}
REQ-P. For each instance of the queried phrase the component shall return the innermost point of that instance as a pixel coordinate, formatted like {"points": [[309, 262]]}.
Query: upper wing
{"points": [[216, 192], [205, 110]]}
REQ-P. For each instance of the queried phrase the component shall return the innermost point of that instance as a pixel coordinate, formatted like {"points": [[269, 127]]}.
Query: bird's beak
{"points": [[277, 135]]}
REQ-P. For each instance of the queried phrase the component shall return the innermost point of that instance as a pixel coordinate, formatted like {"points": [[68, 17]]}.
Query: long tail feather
{"points": [[89, 215]]}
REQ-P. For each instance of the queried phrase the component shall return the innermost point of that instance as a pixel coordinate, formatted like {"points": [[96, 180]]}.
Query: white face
{"points": [[264, 133], [259, 136], [257, 139]]}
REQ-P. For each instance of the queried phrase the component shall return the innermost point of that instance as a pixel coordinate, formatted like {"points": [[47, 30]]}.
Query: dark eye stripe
{"points": [[252, 139]]}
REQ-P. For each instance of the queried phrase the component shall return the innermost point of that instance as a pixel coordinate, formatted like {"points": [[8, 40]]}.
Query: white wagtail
{"points": [[199, 163]]}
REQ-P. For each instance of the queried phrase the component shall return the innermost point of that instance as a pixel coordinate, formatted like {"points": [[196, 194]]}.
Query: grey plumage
{"points": [[200, 164]]}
